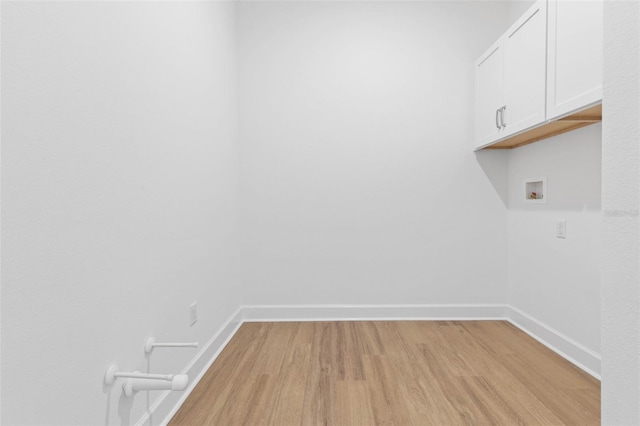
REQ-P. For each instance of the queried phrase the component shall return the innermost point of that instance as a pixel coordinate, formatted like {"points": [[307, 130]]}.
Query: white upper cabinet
{"points": [[574, 55], [524, 71], [510, 79], [489, 94], [543, 77]]}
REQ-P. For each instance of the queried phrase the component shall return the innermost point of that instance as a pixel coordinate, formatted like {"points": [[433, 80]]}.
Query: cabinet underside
{"points": [[571, 122]]}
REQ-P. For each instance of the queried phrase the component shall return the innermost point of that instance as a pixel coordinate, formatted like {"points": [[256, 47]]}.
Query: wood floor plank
{"points": [[546, 389], [288, 398], [353, 404], [389, 408], [452, 387], [390, 373], [426, 402]]}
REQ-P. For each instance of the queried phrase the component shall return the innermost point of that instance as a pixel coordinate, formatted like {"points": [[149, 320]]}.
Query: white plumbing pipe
{"points": [[113, 373], [179, 383], [137, 375]]}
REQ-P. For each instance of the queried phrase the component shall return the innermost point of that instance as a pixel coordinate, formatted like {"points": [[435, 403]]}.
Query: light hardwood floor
{"points": [[390, 373]]}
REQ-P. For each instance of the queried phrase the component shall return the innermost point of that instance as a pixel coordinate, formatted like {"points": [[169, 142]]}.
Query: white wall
{"points": [[516, 9], [557, 281], [119, 173], [620, 207], [359, 184]]}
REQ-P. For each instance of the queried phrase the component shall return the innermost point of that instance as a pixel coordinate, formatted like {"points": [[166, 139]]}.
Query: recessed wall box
{"points": [[535, 190]]}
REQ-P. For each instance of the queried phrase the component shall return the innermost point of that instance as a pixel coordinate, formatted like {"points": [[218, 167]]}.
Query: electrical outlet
{"points": [[193, 313], [561, 229]]}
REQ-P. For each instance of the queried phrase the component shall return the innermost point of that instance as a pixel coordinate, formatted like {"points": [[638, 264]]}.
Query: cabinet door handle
{"points": [[497, 122], [503, 113]]}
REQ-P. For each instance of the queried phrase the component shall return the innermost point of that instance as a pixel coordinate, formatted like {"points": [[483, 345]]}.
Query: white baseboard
{"points": [[579, 355], [169, 402], [273, 313]]}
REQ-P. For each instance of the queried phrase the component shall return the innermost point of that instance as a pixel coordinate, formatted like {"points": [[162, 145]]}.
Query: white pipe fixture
{"points": [[151, 343], [113, 373], [137, 381], [178, 383]]}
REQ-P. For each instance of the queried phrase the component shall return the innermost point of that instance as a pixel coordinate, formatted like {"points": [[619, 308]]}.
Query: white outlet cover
{"points": [[561, 228], [193, 313]]}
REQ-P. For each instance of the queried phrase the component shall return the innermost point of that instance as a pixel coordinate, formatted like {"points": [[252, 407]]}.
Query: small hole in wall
{"points": [[535, 190]]}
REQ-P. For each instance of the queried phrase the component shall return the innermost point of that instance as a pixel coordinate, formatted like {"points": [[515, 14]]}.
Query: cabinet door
{"points": [[525, 70], [575, 55], [489, 73]]}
